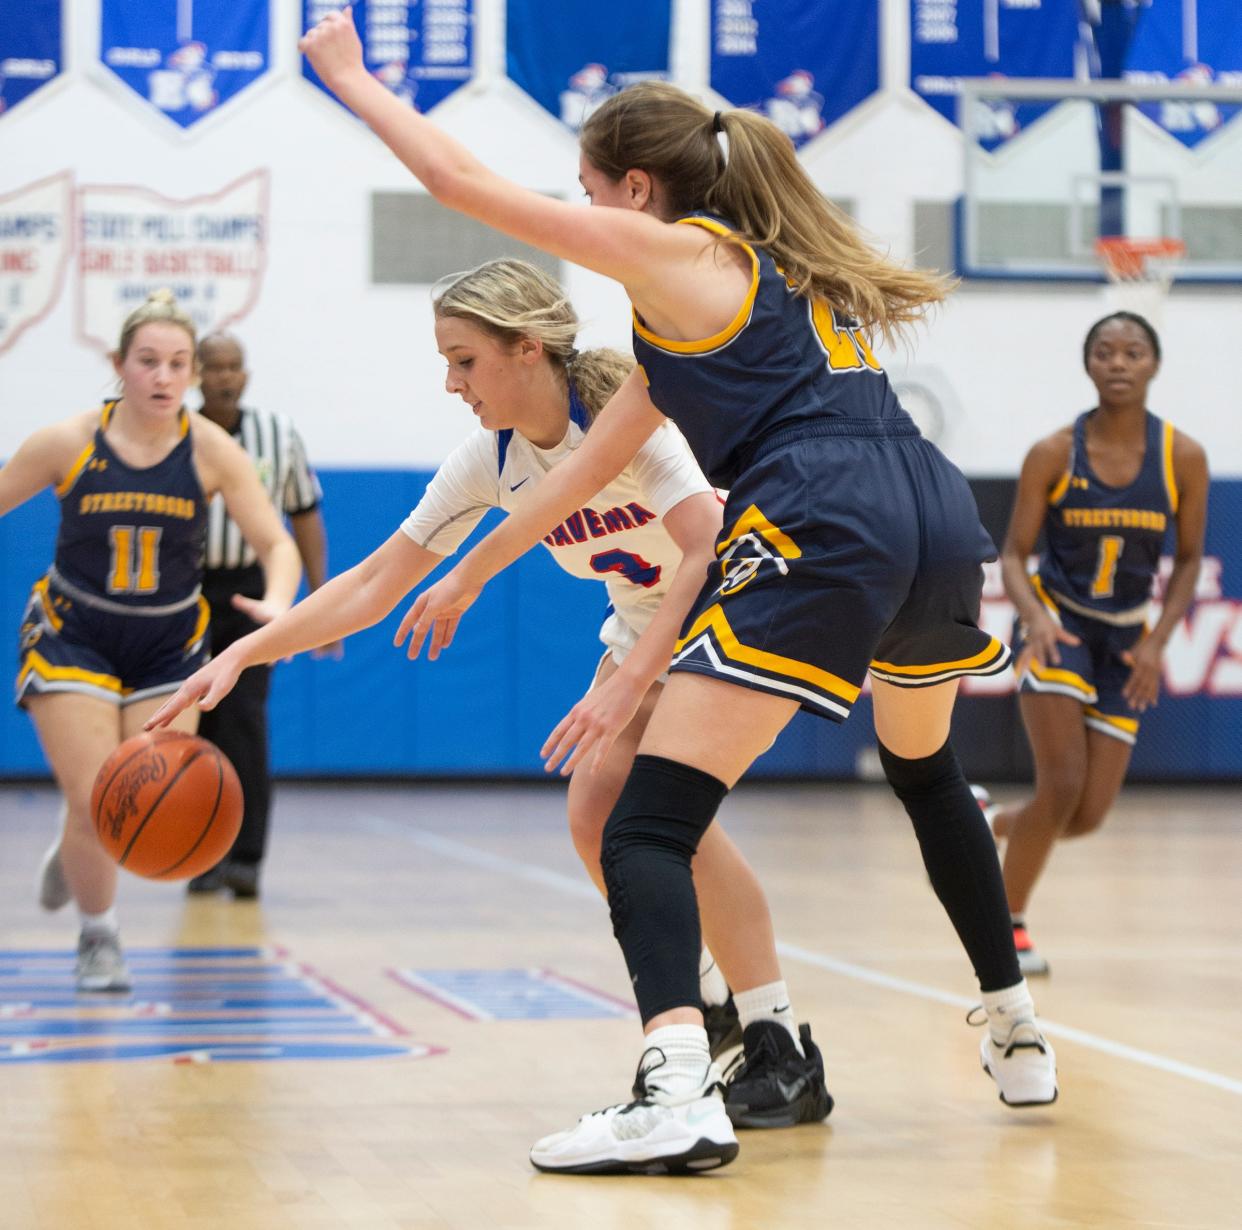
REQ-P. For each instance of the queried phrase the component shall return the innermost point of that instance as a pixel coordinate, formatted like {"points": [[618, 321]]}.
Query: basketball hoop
{"points": [[1139, 272]]}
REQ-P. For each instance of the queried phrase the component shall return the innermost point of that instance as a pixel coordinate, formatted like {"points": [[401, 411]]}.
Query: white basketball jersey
{"points": [[618, 538]]}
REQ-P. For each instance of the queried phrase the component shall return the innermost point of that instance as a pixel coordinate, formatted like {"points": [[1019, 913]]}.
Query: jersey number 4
{"points": [[632, 567], [135, 567]]}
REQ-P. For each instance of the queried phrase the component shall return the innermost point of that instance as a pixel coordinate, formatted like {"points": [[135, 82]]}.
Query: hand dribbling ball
{"points": [[167, 805]]}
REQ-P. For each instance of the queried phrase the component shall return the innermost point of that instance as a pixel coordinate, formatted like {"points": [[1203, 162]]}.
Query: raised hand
{"points": [[333, 48]]}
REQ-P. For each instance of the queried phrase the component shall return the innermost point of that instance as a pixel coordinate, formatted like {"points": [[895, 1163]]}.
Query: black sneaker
{"points": [[242, 880], [724, 1027], [211, 881], [774, 1086]]}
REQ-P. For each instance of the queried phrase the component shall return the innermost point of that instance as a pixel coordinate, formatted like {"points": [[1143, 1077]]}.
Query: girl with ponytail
{"points": [[508, 334], [851, 547]]}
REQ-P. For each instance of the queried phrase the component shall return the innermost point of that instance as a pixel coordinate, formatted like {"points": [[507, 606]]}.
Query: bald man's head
{"points": [[222, 376]]}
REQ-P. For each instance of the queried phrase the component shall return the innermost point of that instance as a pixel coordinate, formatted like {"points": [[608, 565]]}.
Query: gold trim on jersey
{"points": [[200, 627], [45, 600], [1058, 675], [733, 328], [713, 620], [1128, 725], [1042, 594], [1057, 494], [753, 521], [37, 664], [986, 656], [66, 484], [1170, 479]]}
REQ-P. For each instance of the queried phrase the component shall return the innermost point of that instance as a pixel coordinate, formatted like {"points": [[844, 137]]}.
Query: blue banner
{"points": [[951, 39], [422, 50], [30, 49], [185, 59], [570, 57], [425, 719], [1198, 42], [802, 65]]}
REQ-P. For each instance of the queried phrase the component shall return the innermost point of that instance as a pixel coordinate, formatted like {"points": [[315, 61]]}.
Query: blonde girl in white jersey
{"points": [[507, 333]]}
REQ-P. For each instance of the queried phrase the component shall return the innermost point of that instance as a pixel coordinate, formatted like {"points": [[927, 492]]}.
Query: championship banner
{"points": [[951, 39], [422, 50], [210, 251], [30, 49], [1194, 41], [570, 57], [35, 242], [185, 58], [802, 65]]}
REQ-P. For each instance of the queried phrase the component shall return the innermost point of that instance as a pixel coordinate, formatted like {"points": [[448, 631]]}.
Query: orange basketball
{"points": [[167, 805]]}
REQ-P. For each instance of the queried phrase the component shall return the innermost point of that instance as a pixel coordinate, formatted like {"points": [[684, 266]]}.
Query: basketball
{"points": [[167, 805]]}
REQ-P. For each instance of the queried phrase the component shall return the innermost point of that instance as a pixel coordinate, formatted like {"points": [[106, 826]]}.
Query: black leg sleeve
{"points": [[960, 857], [649, 841]]}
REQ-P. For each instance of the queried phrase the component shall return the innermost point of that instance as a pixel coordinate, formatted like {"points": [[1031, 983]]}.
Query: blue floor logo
{"points": [[188, 1005]]}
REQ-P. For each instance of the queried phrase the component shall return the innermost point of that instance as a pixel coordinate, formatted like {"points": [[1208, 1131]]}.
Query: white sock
{"points": [[685, 1061], [712, 985], [1005, 1008], [769, 1002], [101, 924]]}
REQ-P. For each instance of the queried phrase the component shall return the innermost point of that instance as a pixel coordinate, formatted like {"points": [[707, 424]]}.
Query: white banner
{"points": [[210, 251], [35, 242]]}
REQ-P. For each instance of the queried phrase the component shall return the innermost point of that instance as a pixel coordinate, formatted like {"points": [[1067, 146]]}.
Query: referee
{"points": [[238, 725]]}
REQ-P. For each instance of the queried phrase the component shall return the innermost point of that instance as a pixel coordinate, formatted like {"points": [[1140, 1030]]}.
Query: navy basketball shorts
{"points": [[850, 547], [66, 645], [1092, 672]]}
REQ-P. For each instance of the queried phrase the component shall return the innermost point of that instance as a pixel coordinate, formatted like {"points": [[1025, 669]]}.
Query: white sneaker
{"points": [[658, 1133], [1024, 1066], [53, 887], [101, 964]]}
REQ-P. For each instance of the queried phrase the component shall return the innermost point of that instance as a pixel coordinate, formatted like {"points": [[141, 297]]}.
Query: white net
{"points": [[1140, 272]]}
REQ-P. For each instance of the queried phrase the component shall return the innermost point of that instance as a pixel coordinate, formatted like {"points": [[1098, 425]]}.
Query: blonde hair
{"points": [[161, 307], [512, 299], [760, 189]]}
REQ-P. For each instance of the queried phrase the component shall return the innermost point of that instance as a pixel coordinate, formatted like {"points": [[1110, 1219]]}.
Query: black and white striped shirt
{"points": [[280, 458]]}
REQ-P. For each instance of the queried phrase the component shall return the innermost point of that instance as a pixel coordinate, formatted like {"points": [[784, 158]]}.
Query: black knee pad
{"points": [[649, 840], [927, 775]]}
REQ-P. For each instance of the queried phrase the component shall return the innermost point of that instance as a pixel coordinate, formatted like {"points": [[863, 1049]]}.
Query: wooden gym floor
{"points": [[219, 1127]]}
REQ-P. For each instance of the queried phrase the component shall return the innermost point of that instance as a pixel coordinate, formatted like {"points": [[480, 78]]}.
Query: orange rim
{"points": [[1124, 257]]}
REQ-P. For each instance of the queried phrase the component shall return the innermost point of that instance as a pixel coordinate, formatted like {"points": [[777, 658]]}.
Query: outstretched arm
{"points": [[621, 244], [619, 431], [348, 603]]}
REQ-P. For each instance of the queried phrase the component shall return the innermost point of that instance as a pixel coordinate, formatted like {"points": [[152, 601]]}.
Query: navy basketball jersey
{"points": [[783, 360], [1103, 543], [132, 536]]}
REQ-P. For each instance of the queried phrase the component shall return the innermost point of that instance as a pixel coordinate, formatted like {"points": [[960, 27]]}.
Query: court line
{"points": [[575, 887]]}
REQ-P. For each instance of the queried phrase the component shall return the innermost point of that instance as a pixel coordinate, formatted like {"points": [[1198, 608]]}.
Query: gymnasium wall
{"points": [[335, 341]]}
